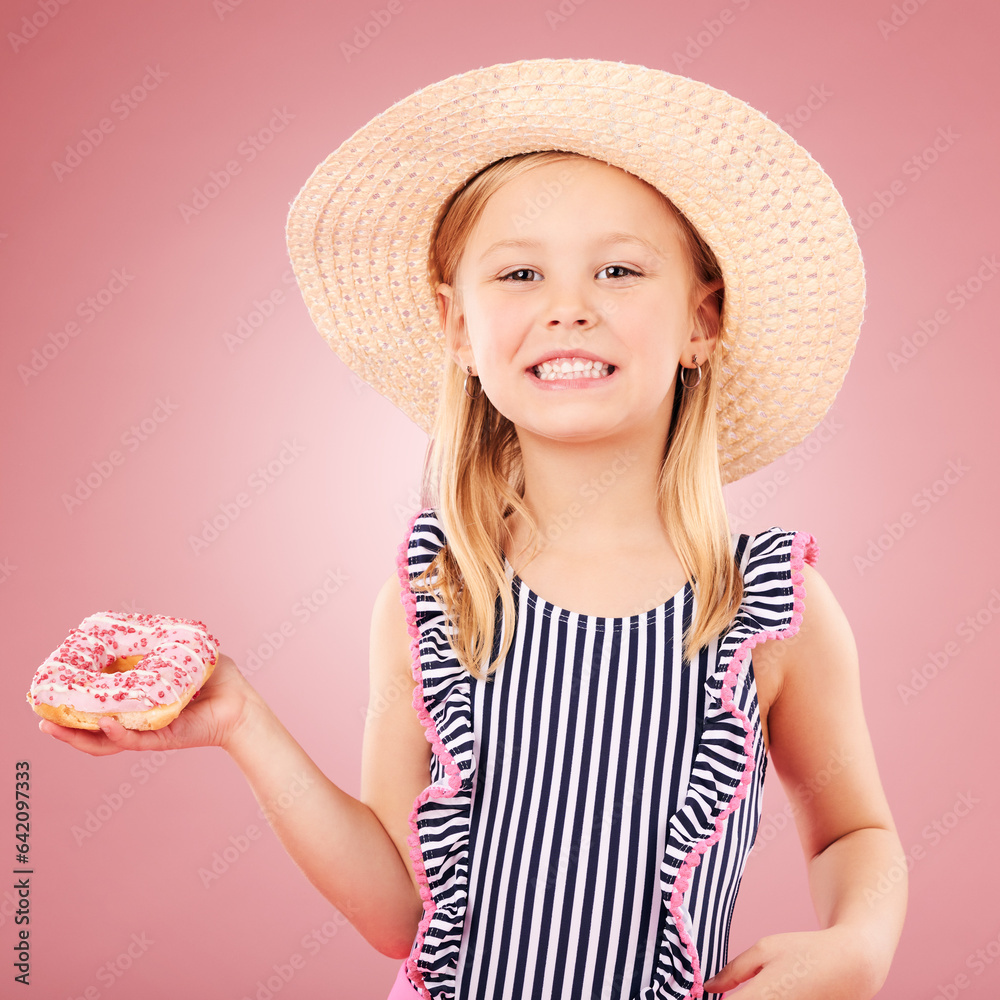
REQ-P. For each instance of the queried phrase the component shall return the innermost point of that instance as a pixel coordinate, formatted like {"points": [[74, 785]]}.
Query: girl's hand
{"points": [[830, 964], [209, 719]]}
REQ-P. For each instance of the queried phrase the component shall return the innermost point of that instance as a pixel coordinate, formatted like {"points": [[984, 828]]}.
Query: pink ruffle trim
{"points": [[433, 737], [804, 550]]}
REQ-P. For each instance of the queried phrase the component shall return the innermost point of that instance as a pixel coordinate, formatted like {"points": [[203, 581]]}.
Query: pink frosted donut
{"points": [[139, 669]]}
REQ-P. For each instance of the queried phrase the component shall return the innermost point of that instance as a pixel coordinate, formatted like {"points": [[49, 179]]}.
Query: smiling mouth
{"points": [[567, 370]]}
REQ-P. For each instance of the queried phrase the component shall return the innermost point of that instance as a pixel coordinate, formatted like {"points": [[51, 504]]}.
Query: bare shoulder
{"points": [[823, 641], [391, 660], [824, 629], [396, 754], [820, 741]]}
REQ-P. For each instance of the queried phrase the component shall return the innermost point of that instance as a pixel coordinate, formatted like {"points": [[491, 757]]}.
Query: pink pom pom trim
{"points": [[804, 550], [434, 738]]}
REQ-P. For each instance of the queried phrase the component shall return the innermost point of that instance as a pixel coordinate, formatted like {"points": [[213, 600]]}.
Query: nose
{"points": [[569, 306]]}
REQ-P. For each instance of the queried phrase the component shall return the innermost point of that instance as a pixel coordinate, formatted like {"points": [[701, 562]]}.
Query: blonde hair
{"points": [[474, 476]]}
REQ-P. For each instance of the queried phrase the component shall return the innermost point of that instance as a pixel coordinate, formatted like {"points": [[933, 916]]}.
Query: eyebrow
{"points": [[603, 239]]}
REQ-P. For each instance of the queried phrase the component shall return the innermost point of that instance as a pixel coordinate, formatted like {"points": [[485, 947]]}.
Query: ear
{"points": [[452, 321], [707, 320]]}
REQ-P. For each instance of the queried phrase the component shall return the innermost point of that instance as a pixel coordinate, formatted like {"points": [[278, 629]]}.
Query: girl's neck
{"points": [[591, 495]]}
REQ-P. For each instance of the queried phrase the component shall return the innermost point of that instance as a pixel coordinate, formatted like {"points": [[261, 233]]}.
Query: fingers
{"points": [[743, 967], [225, 662], [113, 737], [135, 739], [94, 743]]}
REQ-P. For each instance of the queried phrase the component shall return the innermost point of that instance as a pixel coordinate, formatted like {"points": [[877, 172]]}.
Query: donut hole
{"points": [[123, 663]]}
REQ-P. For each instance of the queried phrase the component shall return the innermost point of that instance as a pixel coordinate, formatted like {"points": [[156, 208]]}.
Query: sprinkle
{"points": [[74, 674]]}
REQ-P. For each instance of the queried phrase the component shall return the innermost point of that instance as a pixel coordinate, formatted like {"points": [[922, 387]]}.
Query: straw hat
{"points": [[359, 231]]}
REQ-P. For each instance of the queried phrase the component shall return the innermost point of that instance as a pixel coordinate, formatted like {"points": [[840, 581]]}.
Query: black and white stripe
{"points": [[581, 777]]}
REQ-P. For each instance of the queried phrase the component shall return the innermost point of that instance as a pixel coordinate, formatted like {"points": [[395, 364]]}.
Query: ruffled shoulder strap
{"points": [[773, 598], [729, 764], [771, 563], [439, 820]]}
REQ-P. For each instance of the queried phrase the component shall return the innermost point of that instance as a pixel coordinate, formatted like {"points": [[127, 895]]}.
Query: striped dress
{"points": [[590, 810]]}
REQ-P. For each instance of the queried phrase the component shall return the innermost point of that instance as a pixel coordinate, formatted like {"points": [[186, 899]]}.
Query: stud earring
{"points": [[465, 385]]}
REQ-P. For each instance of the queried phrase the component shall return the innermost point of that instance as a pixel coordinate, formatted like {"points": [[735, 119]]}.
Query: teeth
{"points": [[577, 367]]}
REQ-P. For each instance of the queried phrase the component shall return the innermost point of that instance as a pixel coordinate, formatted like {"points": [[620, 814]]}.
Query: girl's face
{"points": [[575, 260]]}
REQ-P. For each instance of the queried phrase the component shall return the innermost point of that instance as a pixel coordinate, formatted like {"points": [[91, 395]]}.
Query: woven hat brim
{"points": [[359, 231]]}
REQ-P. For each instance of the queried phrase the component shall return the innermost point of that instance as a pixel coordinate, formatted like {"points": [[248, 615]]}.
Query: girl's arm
{"points": [[822, 751], [339, 842]]}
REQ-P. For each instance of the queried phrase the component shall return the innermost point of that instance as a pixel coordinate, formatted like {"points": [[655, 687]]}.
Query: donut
{"points": [[139, 669]]}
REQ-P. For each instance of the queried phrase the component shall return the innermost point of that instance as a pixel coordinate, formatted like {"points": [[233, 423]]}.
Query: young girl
{"points": [[605, 290]]}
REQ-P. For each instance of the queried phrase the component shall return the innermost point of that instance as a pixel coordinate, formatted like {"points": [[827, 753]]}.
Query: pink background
{"points": [[118, 842]]}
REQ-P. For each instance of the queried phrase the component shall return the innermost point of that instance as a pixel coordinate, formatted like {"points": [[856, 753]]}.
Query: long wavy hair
{"points": [[474, 475]]}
